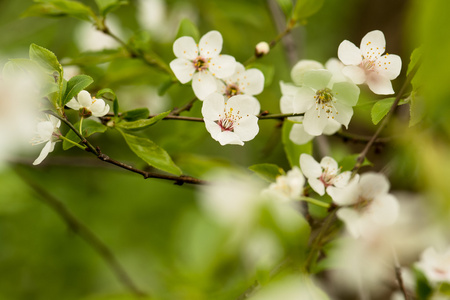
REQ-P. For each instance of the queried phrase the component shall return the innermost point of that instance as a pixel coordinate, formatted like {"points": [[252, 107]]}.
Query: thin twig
{"points": [[347, 136], [84, 233], [398, 274], [186, 107]]}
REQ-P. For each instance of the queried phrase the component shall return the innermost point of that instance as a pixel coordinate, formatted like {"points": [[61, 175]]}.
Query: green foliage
{"points": [[423, 287], [286, 6], [108, 94], [75, 85], [188, 28], [60, 8], [151, 153], [89, 128], [268, 172], [380, 109], [348, 162], [416, 105], [107, 6], [142, 123], [91, 58], [306, 8], [135, 114], [293, 151]]}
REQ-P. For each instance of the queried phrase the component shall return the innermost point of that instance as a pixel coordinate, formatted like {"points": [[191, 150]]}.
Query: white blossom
{"points": [[202, 63], [323, 175], [230, 122], [88, 105], [47, 132], [287, 187], [262, 48], [366, 204], [435, 266], [366, 64]]}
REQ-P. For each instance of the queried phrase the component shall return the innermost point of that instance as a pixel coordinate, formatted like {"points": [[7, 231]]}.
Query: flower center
{"points": [[368, 65], [201, 64], [228, 120], [324, 101], [362, 204], [232, 90], [327, 177]]}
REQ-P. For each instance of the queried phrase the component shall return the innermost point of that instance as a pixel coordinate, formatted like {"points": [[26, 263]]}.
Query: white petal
{"points": [[349, 54], [97, 107], [73, 104], [203, 84], [213, 107], [213, 128], [346, 92], [44, 152], [252, 82], [210, 44], [315, 121], [345, 196], [384, 209], [185, 47], [317, 79], [351, 219], [85, 99], [373, 44], [183, 69], [45, 130], [379, 84], [342, 179], [355, 73], [243, 105], [288, 89], [332, 127], [247, 128], [310, 167], [256, 105], [344, 113], [55, 121], [303, 100], [102, 112], [317, 186], [222, 66], [301, 67], [373, 185], [298, 135], [389, 66], [330, 164], [229, 138], [335, 66]]}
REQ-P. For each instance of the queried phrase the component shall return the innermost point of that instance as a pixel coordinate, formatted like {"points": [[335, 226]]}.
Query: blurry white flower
{"points": [[47, 132], [303, 66], [366, 65], [231, 122], [366, 204], [335, 66], [321, 176], [435, 266], [262, 48], [88, 38], [287, 187], [202, 63], [88, 106]]}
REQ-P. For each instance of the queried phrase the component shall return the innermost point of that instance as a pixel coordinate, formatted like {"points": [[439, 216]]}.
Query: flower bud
{"points": [[261, 49]]}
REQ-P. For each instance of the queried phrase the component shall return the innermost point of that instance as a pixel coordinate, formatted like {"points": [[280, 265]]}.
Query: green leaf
{"points": [[306, 8], [268, 172], [45, 58], [187, 28], [423, 287], [143, 123], [107, 6], [151, 153], [444, 288], [97, 57], [380, 109], [89, 128], [106, 94], [286, 6], [416, 56], [60, 8], [293, 151], [348, 162], [416, 109], [136, 114], [75, 85]]}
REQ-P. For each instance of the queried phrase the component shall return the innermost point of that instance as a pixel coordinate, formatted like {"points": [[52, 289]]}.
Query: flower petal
{"points": [[203, 84], [343, 114], [342, 179], [349, 54], [251, 82], [317, 186], [183, 69], [315, 121], [346, 92], [213, 107], [45, 130], [303, 66], [330, 164], [303, 100], [73, 104], [384, 209], [373, 44], [243, 105], [222, 66], [317, 79], [355, 73], [389, 66], [288, 89], [298, 135], [210, 44], [213, 128], [379, 84], [351, 219], [97, 107], [332, 127], [44, 152], [229, 138], [247, 128], [373, 184], [85, 99], [102, 112], [310, 167], [186, 48], [345, 196]]}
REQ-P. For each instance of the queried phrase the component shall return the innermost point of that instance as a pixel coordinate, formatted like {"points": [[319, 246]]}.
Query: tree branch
{"points": [[84, 233]]}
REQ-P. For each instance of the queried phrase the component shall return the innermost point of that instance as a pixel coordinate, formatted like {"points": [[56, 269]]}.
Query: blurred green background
{"points": [[155, 228]]}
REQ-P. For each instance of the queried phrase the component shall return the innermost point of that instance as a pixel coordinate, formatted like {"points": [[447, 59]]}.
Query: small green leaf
{"points": [[306, 8], [107, 6], [348, 162], [268, 172], [141, 41], [423, 287], [293, 151], [136, 114], [89, 128], [45, 58], [106, 94], [75, 85], [151, 153], [380, 109], [286, 6], [143, 123], [60, 8], [416, 109], [187, 28]]}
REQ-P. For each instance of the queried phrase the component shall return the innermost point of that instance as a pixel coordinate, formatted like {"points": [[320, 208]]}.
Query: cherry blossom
{"points": [[88, 106], [366, 64], [47, 132], [366, 204], [323, 175], [230, 122], [261, 49], [287, 187], [435, 266], [202, 63]]}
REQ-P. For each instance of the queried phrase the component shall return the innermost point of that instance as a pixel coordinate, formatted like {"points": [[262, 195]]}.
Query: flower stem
{"points": [[72, 142], [315, 202], [81, 125]]}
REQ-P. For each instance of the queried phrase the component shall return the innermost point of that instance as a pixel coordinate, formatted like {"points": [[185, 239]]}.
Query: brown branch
{"points": [[186, 107], [347, 136], [398, 275], [84, 233]]}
